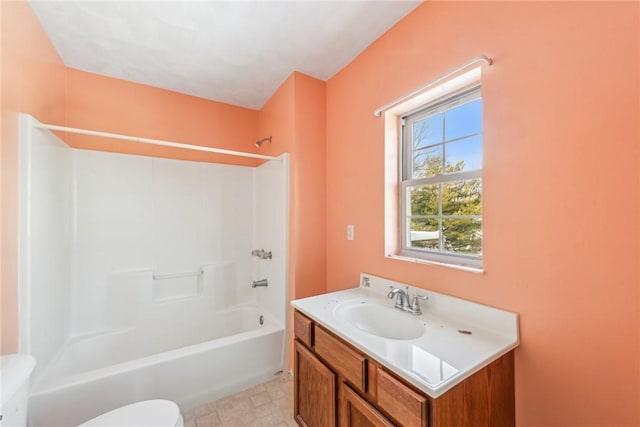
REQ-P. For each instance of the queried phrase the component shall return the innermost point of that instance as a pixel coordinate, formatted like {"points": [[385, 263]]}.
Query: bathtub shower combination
{"points": [[136, 277]]}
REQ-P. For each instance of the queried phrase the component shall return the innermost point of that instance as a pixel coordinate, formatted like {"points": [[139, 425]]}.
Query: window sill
{"points": [[474, 270]]}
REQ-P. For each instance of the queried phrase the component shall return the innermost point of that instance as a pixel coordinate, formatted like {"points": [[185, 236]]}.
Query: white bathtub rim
{"points": [[43, 381], [204, 375], [50, 385]]}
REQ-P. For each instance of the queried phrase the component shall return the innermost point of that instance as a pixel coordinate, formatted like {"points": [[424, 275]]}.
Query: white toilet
{"points": [[156, 413], [15, 372]]}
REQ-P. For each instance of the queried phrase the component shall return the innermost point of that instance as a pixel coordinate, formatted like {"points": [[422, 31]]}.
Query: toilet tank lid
{"points": [[15, 370], [157, 413]]}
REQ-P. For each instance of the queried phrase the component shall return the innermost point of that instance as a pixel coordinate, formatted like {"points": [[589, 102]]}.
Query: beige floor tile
{"points": [[236, 408], [265, 405], [269, 420], [238, 420], [266, 409], [200, 411], [284, 403], [209, 420], [276, 393], [257, 389], [260, 399]]}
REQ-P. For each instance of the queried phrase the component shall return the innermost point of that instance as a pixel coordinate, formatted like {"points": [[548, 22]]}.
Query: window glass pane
{"points": [[462, 235], [424, 234], [424, 199], [464, 155], [463, 120], [428, 131], [462, 197], [427, 162]]}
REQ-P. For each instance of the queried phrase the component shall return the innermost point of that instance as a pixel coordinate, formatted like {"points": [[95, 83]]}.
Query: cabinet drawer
{"points": [[350, 364], [303, 328], [406, 406]]}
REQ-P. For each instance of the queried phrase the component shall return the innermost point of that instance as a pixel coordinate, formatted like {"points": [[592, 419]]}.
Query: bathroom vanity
{"points": [[361, 362]]}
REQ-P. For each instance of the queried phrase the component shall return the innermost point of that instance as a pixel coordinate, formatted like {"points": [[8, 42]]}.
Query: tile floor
{"points": [[265, 405]]}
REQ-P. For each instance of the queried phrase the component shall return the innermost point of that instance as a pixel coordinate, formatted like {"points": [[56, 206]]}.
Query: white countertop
{"points": [[439, 359]]}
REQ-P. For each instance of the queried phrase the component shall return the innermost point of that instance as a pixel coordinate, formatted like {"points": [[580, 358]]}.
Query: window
{"points": [[440, 189]]}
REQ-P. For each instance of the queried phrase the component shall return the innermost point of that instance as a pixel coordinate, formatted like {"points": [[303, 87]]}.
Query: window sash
{"points": [[406, 180], [406, 217], [406, 160]]}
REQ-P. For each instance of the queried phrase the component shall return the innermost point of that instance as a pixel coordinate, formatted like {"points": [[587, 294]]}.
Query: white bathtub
{"points": [[94, 374]]}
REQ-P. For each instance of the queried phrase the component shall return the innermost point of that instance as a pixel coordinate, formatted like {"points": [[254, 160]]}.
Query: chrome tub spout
{"points": [[260, 283]]}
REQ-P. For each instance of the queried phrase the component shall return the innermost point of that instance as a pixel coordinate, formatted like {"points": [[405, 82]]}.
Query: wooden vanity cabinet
{"points": [[337, 385]]}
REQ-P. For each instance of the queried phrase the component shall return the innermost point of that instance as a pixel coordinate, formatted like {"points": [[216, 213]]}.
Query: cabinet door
{"points": [[357, 412], [315, 390]]}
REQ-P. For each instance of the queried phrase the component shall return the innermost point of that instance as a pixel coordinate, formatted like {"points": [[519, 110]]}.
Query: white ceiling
{"points": [[237, 52]]}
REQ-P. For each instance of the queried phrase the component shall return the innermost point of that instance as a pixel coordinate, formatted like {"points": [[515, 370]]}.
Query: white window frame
{"points": [[449, 102], [395, 186]]}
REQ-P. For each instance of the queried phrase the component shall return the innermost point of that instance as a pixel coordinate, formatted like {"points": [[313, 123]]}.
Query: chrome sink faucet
{"points": [[402, 300], [402, 297]]}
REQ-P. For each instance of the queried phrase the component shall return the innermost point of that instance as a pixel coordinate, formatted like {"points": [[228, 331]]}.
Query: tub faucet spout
{"points": [[260, 283]]}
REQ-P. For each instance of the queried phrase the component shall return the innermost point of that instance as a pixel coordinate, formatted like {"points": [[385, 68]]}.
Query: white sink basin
{"points": [[376, 319]]}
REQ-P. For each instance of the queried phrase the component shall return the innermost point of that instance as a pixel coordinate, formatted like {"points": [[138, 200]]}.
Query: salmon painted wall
{"points": [[295, 116], [111, 105], [276, 119], [561, 191], [309, 168], [33, 81]]}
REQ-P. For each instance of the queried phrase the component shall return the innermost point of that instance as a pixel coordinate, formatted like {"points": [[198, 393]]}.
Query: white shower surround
{"points": [[94, 229]]}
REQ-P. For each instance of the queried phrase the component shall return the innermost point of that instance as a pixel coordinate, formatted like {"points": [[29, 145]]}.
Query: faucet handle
{"points": [[415, 304]]}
